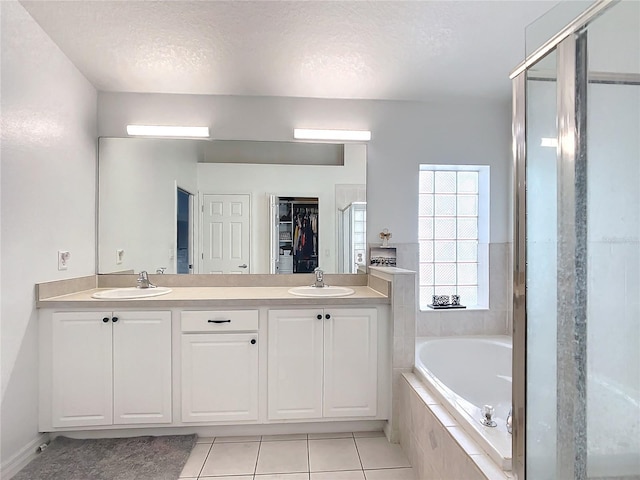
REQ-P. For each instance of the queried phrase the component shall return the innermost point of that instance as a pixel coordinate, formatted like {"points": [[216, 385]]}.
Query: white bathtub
{"points": [[466, 373]]}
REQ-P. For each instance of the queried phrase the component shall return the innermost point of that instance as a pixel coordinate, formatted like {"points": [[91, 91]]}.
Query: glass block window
{"points": [[449, 233]]}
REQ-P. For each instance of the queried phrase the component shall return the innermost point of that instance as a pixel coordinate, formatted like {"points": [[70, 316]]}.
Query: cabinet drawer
{"points": [[220, 321]]}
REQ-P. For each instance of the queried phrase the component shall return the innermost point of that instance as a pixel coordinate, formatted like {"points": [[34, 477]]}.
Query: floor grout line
{"points": [[205, 460], [255, 468], [359, 457], [308, 459]]}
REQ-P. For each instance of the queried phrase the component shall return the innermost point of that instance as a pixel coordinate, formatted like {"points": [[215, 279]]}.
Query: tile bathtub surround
{"points": [[339, 456], [403, 311], [496, 320], [436, 446]]}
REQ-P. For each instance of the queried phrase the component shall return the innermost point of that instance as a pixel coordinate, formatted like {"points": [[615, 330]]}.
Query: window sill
{"points": [[472, 309]]}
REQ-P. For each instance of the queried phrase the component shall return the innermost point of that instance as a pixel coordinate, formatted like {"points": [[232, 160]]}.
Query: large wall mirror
{"points": [[174, 205]]}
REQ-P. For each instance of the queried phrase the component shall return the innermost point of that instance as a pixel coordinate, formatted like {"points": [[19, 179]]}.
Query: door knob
{"points": [[253, 341], [327, 316], [319, 317], [105, 319], [244, 265], [114, 319]]}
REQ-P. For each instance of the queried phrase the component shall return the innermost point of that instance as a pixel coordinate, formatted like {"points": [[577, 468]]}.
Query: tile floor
{"points": [[323, 456]]}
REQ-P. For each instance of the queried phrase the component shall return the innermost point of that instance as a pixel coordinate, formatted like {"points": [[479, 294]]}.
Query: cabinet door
{"points": [[295, 364], [141, 367], [219, 377], [350, 362], [81, 369]]}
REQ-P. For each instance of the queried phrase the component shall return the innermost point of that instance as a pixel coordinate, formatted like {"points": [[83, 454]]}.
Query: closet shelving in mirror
{"points": [[297, 234]]}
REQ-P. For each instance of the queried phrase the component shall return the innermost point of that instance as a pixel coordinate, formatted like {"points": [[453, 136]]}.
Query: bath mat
{"points": [[137, 458]]}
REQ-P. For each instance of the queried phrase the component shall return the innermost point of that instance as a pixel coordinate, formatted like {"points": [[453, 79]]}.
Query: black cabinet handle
{"points": [[114, 319], [105, 319], [319, 317], [219, 321], [327, 316], [253, 341]]}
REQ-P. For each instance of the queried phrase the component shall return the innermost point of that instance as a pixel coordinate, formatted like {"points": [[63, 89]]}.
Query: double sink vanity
{"points": [[216, 350]]}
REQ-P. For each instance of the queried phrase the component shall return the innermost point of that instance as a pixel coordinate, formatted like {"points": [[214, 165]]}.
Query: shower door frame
{"points": [[570, 44]]}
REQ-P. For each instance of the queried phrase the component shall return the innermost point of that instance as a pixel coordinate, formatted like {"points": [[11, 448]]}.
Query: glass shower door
{"points": [[541, 267], [613, 244], [581, 242]]}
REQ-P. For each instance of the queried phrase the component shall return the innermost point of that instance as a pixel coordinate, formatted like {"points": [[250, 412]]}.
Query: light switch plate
{"points": [[119, 256], [63, 259]]}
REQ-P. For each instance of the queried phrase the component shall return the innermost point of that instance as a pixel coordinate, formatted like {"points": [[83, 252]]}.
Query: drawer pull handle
{"points": [[319, 317], [105, 319], [219, 321]]}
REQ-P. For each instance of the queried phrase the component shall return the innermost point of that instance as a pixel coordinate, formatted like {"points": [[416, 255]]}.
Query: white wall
{"points": [[48, 200], [138, 178]]}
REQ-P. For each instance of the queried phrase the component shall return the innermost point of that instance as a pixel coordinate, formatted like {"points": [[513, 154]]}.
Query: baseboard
{"points": [[19, 460]]}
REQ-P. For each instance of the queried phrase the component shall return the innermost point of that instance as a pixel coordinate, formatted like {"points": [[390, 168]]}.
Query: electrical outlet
{"points": [[119, 256], [63, 259]]}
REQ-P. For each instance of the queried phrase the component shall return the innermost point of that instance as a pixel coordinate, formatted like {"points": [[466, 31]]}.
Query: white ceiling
{"points": [[401, 50]]}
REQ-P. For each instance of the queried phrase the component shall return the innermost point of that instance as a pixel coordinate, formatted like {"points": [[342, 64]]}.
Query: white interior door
{"points": [[226, 225]]}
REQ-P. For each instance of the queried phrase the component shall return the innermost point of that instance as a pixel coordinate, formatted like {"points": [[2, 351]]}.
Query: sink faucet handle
{"points": [[143, 280], [319, 277]]}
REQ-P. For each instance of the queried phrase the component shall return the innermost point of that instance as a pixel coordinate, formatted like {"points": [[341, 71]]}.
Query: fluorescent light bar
{"points": [[167, 131], [313, 134], [548, 142]]}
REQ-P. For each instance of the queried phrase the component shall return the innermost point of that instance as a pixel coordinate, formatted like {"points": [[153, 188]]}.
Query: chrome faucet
{"points": [[319, 278], [487, 416], [510, 421], [143, 280]]}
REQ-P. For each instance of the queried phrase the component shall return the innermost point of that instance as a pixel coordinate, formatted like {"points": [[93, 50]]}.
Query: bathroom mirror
{"points": [[155, 195]]}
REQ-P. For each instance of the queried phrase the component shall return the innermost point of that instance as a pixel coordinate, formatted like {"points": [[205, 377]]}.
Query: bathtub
{"points": [[466, 373]]}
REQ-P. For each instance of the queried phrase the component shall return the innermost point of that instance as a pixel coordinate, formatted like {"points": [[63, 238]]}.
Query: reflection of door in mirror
{"points": [[225, 234], [352, 236], [184, 227]]}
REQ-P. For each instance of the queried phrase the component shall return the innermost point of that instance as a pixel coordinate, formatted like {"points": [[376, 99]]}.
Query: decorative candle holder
{"points": [[455, 299], [440, 300]]}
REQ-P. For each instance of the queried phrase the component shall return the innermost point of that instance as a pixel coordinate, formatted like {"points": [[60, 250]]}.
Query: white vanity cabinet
{"points": [[106, 368], [322, 363], [219, 365]]}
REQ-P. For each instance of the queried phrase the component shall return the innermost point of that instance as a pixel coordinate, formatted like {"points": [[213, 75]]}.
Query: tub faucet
{"points": [[143, 280], [319, 278], [487, 414], [510, 422]]}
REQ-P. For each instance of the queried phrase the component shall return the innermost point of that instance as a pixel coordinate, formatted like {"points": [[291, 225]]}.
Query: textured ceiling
{"points": [[400, 50]]}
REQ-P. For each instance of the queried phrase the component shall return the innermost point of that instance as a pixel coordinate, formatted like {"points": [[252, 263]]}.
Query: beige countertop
{"points": [[213, 297]]}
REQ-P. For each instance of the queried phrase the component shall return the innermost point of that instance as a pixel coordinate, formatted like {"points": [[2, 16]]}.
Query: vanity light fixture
{"points": [[168, 131], [314, 134], [548, 142]]}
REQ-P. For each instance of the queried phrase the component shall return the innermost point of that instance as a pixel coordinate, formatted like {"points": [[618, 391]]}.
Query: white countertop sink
{"points": [[326, 291], [131, 293]]}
